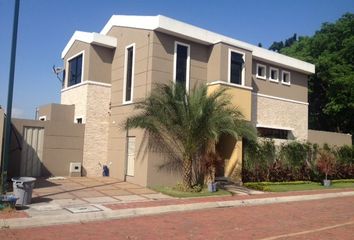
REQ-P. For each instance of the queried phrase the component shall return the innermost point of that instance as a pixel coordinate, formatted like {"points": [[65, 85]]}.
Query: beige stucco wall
{"points": [[100, 64], [239, 97], [331, 138], [57, 112], [75, 49], [116, 153], [97, 61], [297, 90], [279, 113], [62, 144]]}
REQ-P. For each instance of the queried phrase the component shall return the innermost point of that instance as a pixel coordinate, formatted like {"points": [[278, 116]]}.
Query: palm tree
{"points": [[188, 126]]}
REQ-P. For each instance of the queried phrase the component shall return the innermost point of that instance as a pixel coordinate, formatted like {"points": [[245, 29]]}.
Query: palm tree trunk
{"points": [[187, 173]]}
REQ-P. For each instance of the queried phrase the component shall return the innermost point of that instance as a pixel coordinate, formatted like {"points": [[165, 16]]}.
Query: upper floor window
{"points": [[181, 64], [274, 74], [261, 71], [285, 77], [129, 73], [236, 67], [75, 70]]}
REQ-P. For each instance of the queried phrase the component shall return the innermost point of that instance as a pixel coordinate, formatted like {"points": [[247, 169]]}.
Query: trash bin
{"points": [[23, 187]]}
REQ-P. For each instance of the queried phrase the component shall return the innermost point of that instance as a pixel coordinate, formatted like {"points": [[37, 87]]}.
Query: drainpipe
{"points": [[7, 142]]}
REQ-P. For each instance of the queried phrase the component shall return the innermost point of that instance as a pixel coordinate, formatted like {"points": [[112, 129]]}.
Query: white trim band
{"points": [[87, 82], [90, 38], [229, 84], [274, 127], [279, 98]]}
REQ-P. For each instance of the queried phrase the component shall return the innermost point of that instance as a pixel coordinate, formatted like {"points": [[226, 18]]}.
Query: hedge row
{"points": [[293, 161]]}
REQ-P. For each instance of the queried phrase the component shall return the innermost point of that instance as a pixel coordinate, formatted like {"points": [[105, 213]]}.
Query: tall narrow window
{"points": [[236, 67], [181, 73], [75, 70], [129, 74]]}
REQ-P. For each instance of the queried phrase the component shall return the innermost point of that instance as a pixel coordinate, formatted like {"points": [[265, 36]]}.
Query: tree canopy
{"points": [[331, 88]]}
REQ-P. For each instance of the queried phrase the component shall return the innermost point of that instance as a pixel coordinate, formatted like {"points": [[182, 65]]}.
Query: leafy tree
{"points": [[278, 46], [331, 88], [188, 125]]}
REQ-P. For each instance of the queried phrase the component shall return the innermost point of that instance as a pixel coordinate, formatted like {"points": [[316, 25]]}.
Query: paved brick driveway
{"points": [[320, 219], [85, 189]]}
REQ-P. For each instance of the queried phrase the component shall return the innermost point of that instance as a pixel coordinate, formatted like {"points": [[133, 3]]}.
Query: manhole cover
{"points": [[83, 209]]}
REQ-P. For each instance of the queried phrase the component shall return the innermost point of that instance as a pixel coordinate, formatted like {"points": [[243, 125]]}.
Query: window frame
{"points": [[270, 74], [229, 66], [282, 77], [67, 69], [188, 63], [133, 45], [265, 71]]}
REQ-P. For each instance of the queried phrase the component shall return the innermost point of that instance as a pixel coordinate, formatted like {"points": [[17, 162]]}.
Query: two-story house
{"points": [[107, 72]]}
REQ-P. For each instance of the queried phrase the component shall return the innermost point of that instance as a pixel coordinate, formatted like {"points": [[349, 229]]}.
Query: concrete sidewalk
{"points": [[93, 212]]}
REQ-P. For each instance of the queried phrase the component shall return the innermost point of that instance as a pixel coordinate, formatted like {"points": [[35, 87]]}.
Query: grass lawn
{"points": [[298, 186], [180, 194]]}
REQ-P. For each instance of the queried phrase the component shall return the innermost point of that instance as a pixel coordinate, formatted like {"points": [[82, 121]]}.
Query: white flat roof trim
{"points": [[229, 84], [90, 38], [280, 98], [274, 127], [172, 26], [87, 82]]}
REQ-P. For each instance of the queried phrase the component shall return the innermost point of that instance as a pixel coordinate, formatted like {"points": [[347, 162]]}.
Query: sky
{"points": [[45, 27]]}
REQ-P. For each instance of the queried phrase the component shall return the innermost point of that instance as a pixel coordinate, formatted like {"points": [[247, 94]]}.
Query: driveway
{"points": [[88, 189]]}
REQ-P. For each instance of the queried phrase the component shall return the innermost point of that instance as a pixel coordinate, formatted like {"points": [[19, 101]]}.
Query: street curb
{"points": [[41, 221]]}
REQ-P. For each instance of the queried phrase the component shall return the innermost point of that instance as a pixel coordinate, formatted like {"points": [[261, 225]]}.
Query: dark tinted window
{"points": [[181, 64], [236, 68], [272, 133], [75, 70], [261, 71], [129, 76]]}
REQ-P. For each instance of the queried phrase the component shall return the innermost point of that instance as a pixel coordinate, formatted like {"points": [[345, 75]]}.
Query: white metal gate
{"points": [[32, 151]]}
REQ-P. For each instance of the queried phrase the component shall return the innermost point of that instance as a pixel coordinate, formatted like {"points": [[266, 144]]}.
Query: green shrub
{"points": [[292, 161], [345, 154]]}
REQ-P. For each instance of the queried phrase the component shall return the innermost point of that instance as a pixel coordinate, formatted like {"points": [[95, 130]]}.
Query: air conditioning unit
{"points": [[75, 169]]}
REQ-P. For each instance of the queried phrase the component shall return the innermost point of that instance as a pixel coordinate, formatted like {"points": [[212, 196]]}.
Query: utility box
{"points": [[75, 169]]}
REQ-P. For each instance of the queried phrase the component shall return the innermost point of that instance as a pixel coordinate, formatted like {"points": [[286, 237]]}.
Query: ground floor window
{"points": [[272, 133]]}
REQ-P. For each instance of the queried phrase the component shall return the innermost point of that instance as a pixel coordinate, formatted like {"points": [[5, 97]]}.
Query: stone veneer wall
{"points": [[92, 103], [281, 113], [77, 96]]}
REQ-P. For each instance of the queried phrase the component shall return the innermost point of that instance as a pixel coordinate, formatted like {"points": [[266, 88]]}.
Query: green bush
{"points": [[292, 161]]}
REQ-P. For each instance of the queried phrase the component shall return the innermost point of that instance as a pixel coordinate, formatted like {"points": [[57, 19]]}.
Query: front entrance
{"points": [[32, 151]]}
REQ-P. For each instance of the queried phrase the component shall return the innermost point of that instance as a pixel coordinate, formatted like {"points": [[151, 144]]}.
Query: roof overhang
{"points": [[180, 29], [90, 38]]}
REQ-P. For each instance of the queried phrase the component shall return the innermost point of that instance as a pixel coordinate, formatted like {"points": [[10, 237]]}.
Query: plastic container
{"points": [[23, 187]]}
